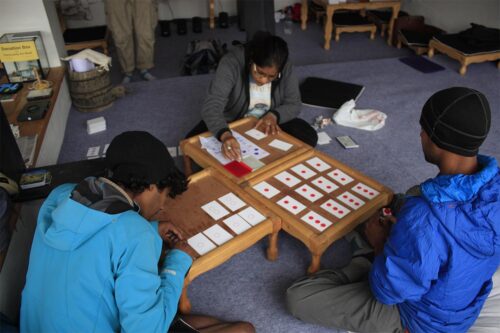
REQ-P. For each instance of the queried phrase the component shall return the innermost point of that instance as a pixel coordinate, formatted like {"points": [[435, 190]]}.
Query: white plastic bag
{"points": [[368, 120]]}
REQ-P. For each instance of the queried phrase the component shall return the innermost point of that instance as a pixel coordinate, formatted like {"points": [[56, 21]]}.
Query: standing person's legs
{"points": [[342, 298], [301, 130], [119, 16], [145, 21]]}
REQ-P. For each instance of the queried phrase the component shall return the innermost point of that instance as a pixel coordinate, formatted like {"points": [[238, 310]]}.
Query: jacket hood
{"points": [[475, 196], [79, 217]]}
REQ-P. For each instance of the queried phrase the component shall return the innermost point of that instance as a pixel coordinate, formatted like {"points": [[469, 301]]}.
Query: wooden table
{"points": [[191, 148], [30, 128], [352, 5], [185, 212], [317, 242]]}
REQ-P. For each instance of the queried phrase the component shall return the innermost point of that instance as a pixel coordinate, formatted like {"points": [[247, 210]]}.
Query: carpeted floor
{"points": [[248, 287]]}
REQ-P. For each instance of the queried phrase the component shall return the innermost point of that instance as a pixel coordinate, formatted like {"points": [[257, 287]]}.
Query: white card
{"points": [[318, 164], [179, 151], [325, 184], [323, 138], [335, 209], [232, 202], [105, 149], [237, 224], [287, 179], [351, 200], [292, 205], [255, 133], [303, 171], [316, 221], [93, 151], [217, 234], [201, 244], [340, 177], [308, 192], [266, 190], [281, 145], [215, 210], [172, 151], [252, 216], [365, 191]]}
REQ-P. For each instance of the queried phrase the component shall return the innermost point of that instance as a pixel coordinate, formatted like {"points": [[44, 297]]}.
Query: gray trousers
{"points": [[342, 299]]}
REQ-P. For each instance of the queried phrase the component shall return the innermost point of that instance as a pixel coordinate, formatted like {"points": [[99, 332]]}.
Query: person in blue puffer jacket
{"points": [[95, 260], [434, 272]]}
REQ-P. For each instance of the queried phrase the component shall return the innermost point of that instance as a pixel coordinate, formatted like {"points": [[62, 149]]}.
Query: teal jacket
{"points": [[90, 271]]}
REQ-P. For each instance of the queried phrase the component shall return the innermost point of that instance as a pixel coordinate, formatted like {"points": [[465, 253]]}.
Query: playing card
{"points": [[255, 133], [335, 209], [252, 216], [318, 164], [237, 224], [105, 149], [232, 202], [351, 200], [215, 210], [217, 234], [287, 179], [291, 205], [93, 151], [340, 177], [201, 244], [266, 190], [281, 145], [253, 162], [324, 184], [316, 221], [365, 191], [239, 169], [308, 192], [172, 151], [303, 171]]}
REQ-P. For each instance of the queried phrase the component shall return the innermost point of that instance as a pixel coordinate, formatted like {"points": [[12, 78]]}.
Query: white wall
{"points": [[455, 15]]}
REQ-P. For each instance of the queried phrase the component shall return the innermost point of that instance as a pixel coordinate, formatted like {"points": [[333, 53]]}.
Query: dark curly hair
{"points": [[266, 50]]}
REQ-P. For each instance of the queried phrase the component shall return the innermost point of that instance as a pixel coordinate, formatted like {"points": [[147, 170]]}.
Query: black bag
{"points": [[203, 56]]}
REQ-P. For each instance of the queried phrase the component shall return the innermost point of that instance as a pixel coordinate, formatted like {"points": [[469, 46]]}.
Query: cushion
{"points": [[416, 38], [456, 42]]}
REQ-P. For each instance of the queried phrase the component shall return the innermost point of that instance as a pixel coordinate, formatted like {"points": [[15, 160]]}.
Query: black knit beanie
{"points": [[457, 120]]}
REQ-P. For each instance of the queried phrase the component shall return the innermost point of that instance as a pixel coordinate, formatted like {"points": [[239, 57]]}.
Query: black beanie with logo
{"points": [[457, 120]]}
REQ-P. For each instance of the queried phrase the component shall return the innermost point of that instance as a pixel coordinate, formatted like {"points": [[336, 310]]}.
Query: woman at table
{"points": [[254, 80]]}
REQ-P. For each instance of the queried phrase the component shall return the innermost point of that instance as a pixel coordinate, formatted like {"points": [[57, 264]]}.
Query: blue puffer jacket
{"points": [[439, 259]]}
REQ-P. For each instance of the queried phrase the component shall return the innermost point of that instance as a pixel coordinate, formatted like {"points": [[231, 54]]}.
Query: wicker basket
{"points": [[91, 91]]}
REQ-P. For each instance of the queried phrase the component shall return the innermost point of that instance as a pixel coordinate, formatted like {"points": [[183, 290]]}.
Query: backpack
{"points": [[202, 56]]}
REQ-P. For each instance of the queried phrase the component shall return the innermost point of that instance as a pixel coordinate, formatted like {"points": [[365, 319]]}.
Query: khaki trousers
{"points": [[132, 24]]}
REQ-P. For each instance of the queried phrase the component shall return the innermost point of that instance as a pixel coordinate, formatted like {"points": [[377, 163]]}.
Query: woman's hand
{"points": [[268, 124], [169, 233], [230, 147]]}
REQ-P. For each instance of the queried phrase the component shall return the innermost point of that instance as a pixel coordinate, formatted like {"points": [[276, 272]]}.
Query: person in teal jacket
{"points": [[95, 260], [434, 272]]}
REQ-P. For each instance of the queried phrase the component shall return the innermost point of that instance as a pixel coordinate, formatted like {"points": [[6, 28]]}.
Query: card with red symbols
{"points": [[292, 205], [308, 192], [365, 191], [318, 164], [239, 169], [303, 171], [340, 177], [316, 221], [351, 200], [287, 179], [324, 184], [335, 209], [266, 190]]}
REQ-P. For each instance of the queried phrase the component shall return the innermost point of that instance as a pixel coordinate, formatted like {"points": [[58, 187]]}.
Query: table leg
{"points": [[187, 166], [184, 302], [303, 14], [212, 14], [395, 12], [328, 26], [315, 263], [430, 52], [272, 249]]}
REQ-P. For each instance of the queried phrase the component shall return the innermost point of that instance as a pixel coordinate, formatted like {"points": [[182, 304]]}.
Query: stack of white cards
{"points": [[96, 125], [323, 138]]}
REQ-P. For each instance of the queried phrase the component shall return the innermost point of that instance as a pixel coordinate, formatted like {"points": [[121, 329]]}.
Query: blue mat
{"points": [[421, 64]]}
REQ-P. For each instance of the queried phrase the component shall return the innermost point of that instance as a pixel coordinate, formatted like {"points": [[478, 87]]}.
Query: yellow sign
{"points": [[18, 51]]}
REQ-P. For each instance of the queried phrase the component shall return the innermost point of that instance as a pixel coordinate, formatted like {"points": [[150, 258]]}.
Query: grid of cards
{"points": [[234, 213], [331, 192]]}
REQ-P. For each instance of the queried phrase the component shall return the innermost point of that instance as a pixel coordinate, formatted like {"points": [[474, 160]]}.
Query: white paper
{"points": [[323, 138], [215, 210], [340, 177], [281, 145], [93, 151], [318, 164], [292, 205], [324, 184], [237, 224], [266, 190], [303, 171], [351, 200], [172, 151], [252, 216], [309, 193], [316, 221], [232, 202], [256, 134], [105, 149], [217, 234], [201, 244], [287, 178], [335, 209], [365, 190]]}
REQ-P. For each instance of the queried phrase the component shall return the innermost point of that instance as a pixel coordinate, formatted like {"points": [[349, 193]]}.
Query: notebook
{"points": [[328, 93]]}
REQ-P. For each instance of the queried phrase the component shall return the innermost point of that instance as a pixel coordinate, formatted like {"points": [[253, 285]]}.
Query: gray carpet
{"points": [[248, 287]]}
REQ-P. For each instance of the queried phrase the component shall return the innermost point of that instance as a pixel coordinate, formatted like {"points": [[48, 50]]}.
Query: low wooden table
{"points": [[185, 212], [352, 5], [317, 242], [191, 148]]}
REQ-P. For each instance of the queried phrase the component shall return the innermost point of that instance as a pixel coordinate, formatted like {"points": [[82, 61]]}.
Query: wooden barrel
{"points": [[91, 91]]}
